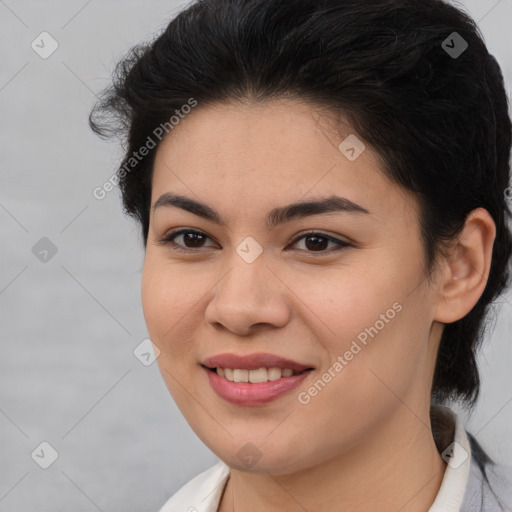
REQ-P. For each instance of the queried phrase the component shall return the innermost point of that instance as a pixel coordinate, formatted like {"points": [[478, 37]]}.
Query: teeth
{"points": [[241, 375], [254, 376], [260, 375], [274, 373]]}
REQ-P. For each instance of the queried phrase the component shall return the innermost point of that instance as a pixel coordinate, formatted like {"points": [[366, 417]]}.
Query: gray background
{"points": [[68, 375]]}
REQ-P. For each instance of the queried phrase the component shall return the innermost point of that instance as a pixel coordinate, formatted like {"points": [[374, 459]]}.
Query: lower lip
{"points": [[248, 394]]}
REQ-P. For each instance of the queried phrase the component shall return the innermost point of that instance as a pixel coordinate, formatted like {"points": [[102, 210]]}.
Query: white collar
{"points": [[203, 492], [458, 458]]}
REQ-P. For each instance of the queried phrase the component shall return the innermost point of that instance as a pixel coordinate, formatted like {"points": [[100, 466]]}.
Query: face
{"points": [[337, 293]]}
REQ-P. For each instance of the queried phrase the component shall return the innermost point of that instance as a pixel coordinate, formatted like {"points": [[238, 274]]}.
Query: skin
{"points": [[364, 442]]}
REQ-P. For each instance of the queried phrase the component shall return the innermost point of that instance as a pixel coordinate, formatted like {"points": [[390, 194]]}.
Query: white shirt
{"points": [[459, 492]]}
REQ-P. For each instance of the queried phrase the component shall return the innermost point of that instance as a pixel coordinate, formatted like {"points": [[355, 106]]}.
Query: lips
{"points": [[253, 362], [227, 375]]}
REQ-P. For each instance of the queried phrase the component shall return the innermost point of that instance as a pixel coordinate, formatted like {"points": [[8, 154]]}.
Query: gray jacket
{"points": [[482, 497]]}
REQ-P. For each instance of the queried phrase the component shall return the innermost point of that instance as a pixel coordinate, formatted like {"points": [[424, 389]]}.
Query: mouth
{"points": [[255, 376], [243, 391], [254, 379]]}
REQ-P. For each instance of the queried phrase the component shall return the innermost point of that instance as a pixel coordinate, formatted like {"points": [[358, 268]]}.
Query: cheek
{"points": [[168, 309], [374, 327], [155, 298], [346, 304], [381, 363], [168, 300]]}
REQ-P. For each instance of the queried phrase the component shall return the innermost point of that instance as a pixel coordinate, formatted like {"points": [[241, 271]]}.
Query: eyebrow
{"points": [[279, 215]]}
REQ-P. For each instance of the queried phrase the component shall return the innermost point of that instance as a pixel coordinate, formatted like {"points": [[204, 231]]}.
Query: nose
{"points": [[249, 295]]}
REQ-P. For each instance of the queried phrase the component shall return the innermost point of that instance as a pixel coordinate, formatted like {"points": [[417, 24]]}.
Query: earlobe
{"points": [[466, 270]]}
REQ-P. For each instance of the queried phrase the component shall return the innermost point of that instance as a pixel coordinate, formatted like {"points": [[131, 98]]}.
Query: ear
{"points": [[465, 271]]}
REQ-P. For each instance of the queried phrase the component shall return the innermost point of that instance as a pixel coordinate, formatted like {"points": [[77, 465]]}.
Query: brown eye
{"points": [[314, 242], [191, 239], [318, 242]]}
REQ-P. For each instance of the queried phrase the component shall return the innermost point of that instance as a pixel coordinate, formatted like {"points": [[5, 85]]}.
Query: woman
{"points": [[322, 189]]}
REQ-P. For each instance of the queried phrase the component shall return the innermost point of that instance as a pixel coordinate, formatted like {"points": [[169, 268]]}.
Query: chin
{"points": [[254, 457]]}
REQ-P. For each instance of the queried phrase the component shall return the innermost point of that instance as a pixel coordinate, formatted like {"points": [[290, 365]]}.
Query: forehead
{"points": [[267, 154]]}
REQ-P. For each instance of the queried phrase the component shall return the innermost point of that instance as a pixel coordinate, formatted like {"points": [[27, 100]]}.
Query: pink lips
{"points": [[246, 393], [253, 362]]}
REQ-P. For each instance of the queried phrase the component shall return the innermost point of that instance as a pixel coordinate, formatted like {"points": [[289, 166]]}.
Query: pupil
{"points": [[316, 245], [189, 237]]}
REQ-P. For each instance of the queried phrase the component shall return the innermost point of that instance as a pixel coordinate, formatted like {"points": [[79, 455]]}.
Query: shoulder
{"points": [[465, 488], [200, 494]]}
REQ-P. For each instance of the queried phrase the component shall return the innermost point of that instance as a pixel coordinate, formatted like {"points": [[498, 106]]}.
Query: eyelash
{"points": [[169, 240]]}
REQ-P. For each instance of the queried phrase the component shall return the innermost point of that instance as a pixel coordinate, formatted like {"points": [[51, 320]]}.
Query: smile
{"points": [[244, 392], [254, 376]]}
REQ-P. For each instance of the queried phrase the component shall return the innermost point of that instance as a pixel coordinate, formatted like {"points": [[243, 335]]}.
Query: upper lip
{"points": [[253, 362]]}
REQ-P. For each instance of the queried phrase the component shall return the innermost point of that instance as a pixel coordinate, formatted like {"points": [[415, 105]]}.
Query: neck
{"points": [[398, 469]]}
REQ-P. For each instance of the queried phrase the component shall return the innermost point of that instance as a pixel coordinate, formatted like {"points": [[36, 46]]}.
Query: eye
{"points": [[315, 242], [195, 238], [318, 242]]}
